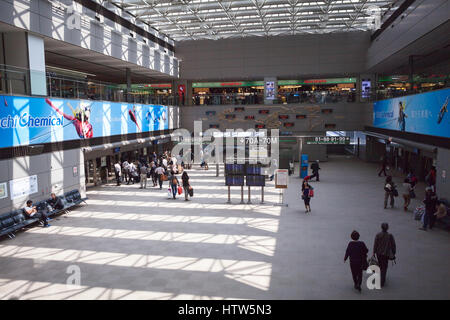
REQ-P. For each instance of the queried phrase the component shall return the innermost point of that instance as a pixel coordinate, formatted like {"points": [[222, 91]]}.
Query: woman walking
{"points": [[306, 195], [357, 251], [185, 180], [173, 183]]}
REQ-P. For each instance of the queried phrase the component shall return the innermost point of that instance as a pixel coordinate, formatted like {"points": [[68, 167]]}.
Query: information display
{"points": [[255, 181], [34, 120], [23, 186], [234, 181], [234, 169], [3, 190], [327, 140], [253, 169], [281, 178]]}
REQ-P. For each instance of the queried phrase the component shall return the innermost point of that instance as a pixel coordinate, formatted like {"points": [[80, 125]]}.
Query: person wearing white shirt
{"points": [[164, 162], [159, 171], [31, 212], [118, 172]]}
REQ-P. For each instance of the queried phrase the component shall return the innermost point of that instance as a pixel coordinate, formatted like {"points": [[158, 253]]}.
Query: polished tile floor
{"points": [[129, 243]]}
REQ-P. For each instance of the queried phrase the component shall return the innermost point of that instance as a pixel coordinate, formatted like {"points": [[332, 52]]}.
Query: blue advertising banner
{"points": [[30, 120], [425, 113]]}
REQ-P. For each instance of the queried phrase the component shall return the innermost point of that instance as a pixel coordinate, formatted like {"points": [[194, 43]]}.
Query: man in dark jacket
{"points": [[55, 202], [315, 170], [430, 208], [385, 249]]}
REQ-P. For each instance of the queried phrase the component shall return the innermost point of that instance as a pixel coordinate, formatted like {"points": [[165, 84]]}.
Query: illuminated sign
{"points": [[249, 117], [35, 120], [288, 124], [283, 117], [300, 116], [328, 140], [260, 126], [214, 126], [264, 111]]}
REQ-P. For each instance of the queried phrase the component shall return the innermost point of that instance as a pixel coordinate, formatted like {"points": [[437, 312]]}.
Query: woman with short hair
{"points": [[357, 251]]}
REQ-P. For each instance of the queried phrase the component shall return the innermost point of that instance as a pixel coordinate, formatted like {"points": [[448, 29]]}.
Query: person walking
{"points": [[384, 164], [126, 171], [159, 171], [389, 191], [173, 181], [118, 172], [315, 170], [430, 208], [357, 252], [407, 188], [131, 173], [143, 172], [385, 249], [153, 174], [306, 195], [186, 185]]}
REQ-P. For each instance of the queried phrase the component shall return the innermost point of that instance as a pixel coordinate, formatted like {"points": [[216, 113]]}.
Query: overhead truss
{"points": [[219, 19]]}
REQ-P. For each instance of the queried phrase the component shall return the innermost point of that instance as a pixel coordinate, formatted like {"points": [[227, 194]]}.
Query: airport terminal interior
{"points": [[235, 149]]}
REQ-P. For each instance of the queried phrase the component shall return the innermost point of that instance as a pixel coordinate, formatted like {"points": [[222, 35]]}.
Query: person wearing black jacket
{"points": [[185, 179], [430, 208], [357, 251], [384, 248], [315, 170], [55, 202]]}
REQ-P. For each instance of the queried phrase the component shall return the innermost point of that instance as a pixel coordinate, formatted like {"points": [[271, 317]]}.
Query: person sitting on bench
{"points": [[55, 202], [32, 212]]}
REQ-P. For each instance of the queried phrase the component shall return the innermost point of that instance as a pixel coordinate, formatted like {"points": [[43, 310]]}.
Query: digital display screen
{"points": [[234, 169], [234, 180], [255, 181], [253, 169]]}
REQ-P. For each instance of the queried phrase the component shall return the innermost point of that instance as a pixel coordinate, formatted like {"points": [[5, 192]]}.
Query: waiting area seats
{"points": [[16, 220]]}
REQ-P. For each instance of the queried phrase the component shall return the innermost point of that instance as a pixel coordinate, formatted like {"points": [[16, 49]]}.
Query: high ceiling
{"points": [[218, 19]]}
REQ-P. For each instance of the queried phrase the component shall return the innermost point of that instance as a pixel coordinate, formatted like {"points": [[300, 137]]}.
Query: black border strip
{"points": [[30, 150], [419, 138], [405, 5], [96, 7]]}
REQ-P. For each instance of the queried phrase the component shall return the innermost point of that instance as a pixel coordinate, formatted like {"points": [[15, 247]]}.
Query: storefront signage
{"points": [[327, 140], [33, 120], [425, 113], [280, 83], [23, 186], [283, 117], [288, 124]]}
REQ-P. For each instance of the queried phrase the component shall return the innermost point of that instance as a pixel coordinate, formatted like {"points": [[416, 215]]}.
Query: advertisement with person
{"points": [[32, 120], [425, 113]]}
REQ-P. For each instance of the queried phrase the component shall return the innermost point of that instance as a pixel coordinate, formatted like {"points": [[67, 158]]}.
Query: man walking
{"points": [[118, 172], [383, 166], [315, 170], [126, 172], [143, 173], [430, 208], [384, 248]]}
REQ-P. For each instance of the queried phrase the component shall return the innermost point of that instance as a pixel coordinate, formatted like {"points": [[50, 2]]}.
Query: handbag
{"points": [[180, 190], [412, 194], [373, 261], [395, 192], [191, 191], [164, 177], [169, 193], [311, 193]]}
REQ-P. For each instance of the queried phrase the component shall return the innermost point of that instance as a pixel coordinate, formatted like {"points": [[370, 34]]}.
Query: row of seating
{"points": [[16, 220]]}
